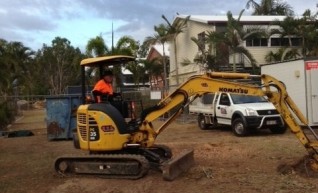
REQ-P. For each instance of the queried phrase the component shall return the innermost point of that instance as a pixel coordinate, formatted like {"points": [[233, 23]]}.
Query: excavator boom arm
{"points": [[213, 82]]}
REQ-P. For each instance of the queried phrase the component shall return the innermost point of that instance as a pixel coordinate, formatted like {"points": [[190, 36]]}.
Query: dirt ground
{"points": [[224, 163]]}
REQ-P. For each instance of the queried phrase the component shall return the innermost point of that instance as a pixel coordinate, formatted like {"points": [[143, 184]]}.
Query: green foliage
{"points": [[270, 7], [143, 50], [96, 47], [161, 36], [227, 42], [304, 28], [6, 115], [15, 63], [58, 66], [282, 54]]}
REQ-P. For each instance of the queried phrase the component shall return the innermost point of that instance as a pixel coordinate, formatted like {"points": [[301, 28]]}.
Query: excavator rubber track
{"points": [[124, 166]]}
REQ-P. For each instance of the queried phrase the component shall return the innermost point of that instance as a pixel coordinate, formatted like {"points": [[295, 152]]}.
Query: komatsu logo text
{"points": [[234, 90]]}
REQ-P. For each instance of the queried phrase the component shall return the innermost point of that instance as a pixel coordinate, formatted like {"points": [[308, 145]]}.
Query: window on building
{"points": [[275, 42], [296, 41], [285, 41], [256, 42], [201, 40]]}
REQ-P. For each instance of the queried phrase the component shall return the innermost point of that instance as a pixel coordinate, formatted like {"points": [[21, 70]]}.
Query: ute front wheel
{"points": [[239, 128]]}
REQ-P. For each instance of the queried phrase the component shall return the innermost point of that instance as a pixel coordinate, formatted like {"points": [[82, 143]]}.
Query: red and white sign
{"points": [[312, 65]]}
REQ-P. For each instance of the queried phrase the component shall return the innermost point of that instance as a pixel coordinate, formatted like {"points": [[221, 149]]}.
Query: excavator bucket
{"points": [[180, 164]]}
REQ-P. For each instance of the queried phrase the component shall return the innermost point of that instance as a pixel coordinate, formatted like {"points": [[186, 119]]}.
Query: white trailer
{"points": [[301, 79]]}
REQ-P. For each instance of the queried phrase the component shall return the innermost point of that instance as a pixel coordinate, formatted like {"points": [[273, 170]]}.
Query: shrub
{"points": [[6, 115]]}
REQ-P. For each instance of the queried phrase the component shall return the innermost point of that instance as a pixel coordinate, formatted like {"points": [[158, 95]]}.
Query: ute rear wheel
{"points": [[239, 128], [202, 123]]}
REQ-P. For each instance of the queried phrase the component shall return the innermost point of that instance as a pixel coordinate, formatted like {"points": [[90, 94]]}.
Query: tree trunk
{"points": [[234, 62], [164, 70], [176, 61]]}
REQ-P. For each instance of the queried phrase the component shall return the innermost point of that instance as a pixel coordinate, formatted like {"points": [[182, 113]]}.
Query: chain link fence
{"points": [[12, 107]]}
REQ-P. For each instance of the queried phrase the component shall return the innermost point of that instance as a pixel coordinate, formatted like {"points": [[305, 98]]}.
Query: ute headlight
{"points": [[251, 112]]}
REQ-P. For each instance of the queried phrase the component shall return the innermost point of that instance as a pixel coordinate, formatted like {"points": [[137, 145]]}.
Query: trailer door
{"points": [[314, 94], [312, 69]]}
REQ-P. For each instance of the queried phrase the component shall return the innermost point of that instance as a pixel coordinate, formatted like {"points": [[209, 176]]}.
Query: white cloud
{"points": [[34, 22]]}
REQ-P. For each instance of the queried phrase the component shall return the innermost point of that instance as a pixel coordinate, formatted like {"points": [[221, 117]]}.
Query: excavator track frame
{"points": [[124, 166], [131, 163]]}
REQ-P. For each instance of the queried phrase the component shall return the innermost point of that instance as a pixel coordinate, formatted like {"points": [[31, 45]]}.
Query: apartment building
{"points": [[197, 25]]}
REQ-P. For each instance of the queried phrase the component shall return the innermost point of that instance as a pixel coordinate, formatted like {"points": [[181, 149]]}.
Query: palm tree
{"points": [[96, 47], [4, 76], [16, 60], [270, 7], [207, 58], [282, 54], [161, 36], [307, 30], [302, 28], [287, 28], [154, 69], [234, 36], [173, 31], [137, 71], [125, 45]]}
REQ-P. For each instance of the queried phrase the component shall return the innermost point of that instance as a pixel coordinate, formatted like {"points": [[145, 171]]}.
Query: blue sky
{"points": [[38, 22]]}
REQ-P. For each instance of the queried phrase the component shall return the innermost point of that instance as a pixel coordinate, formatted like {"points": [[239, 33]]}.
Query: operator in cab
{"points": [[103, 89]]}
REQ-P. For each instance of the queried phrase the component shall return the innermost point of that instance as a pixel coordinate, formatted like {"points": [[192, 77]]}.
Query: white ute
{"points": [[243, 113]]}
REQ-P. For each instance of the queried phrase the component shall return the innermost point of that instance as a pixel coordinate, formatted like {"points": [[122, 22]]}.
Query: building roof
{"points": [[158, 48], [209, 19]]}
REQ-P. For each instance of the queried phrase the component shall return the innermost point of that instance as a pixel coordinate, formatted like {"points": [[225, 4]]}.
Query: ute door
{"points": [[222, 110]]}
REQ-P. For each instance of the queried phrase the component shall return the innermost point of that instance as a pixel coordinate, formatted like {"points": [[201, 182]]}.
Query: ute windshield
{"points": [[242, 99]]}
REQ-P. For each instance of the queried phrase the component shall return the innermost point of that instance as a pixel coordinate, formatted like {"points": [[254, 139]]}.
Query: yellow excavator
{"points": [[126, 149]]}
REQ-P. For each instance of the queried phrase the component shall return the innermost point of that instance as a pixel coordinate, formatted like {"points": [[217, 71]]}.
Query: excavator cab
{"points": [[99, 65], [120, 111]]}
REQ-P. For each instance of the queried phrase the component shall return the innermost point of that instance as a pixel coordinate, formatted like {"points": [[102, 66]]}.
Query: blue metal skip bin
{"points": [[61, 116]]}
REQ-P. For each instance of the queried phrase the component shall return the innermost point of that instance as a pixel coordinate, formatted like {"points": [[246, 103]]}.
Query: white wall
{"points": [[186, 50], [293, 75]]}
